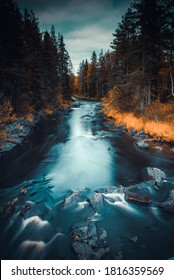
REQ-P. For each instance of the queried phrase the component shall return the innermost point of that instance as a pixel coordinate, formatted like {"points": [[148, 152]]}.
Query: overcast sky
{"points": [[86, 25]]}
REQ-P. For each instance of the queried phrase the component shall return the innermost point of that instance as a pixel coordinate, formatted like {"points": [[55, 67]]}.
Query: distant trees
{"points": [[33, 65], [93, 78]]}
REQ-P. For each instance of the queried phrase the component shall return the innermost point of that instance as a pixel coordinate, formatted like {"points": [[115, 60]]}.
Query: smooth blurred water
{"points": [[83, 161], [78, 150]]}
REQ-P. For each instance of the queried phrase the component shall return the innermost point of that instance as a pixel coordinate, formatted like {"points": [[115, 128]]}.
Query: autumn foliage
{"points": [[157, 119]]}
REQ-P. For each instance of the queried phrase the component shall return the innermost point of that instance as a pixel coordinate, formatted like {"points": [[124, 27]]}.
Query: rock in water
{"points": [[25, 209], [110, 189], [97, 201], [139, 193], [133, 239], [158, 148], [100, 253], [82, 249], [9, 207], [156, 174], [89, 241], [73, 198], [142, 144], [168, 205]]}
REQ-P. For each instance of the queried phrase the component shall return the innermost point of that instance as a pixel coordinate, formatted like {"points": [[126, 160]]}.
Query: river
{"points": [[80, 150]]}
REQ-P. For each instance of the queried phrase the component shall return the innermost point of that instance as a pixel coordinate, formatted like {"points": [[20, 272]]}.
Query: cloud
{"points": [[82, 42], [86, 25]]}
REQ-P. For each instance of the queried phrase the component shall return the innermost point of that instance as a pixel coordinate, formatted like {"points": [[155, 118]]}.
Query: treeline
{"points": [[140, 66], [35, 67], [93, 79]]}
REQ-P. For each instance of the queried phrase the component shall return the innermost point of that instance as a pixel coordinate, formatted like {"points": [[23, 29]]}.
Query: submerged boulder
{"points": [[9, 208], [133, 239], [168, 205], [82, 249]]}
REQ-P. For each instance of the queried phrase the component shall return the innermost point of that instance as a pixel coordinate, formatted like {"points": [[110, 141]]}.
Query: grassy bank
{"points": [[157, 119]]}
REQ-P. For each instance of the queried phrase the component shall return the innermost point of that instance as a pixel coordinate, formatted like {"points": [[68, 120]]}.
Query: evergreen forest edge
{"points": [[134, 79]]}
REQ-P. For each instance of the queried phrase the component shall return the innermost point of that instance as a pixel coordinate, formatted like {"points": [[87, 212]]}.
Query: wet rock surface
{"points": [[16, 132], [156, 174], [168, 205], [139, 193], [90, 241], [97, 201], [142, 144], [73, 198]]}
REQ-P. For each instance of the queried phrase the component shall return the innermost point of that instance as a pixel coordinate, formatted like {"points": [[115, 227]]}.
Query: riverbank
{"points": [[16, 128], [157, 121]]}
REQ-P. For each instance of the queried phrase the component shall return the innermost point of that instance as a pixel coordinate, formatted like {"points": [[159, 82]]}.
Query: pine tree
{"points": [[32, 63], [49, 70], [11, 51], [92, 76], [64, 69]]}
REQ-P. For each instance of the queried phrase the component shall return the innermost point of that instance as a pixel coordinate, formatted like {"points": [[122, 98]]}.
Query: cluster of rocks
{"points": [[12, 206], [145, 192], [142, 139], [16, 132], [8, 207], [89, 237], [89, 241]]}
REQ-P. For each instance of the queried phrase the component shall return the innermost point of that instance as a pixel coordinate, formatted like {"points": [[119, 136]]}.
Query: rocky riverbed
{"points": [[80, 188], [16, 132], [33, 221]]}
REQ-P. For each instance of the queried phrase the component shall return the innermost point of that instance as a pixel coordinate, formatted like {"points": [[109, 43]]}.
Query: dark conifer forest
{"points": [[135, 76], [140, 62], [87, 157], [35, 67]]}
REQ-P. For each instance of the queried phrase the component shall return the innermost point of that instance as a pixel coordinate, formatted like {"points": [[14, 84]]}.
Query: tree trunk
{"points": [[171, 80]]}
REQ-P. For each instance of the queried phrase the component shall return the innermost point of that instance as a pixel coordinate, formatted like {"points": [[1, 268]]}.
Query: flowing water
{"points": [[79, 150]]}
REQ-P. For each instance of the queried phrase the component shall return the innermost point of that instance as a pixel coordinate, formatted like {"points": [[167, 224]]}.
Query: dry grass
{"points": [[157, 121]]}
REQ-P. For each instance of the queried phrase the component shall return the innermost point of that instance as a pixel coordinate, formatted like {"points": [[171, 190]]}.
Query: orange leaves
{"points": [[158, 120]]}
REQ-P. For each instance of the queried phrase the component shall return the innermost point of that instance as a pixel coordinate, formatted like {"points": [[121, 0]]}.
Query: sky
{"points": [[87, 26]]}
